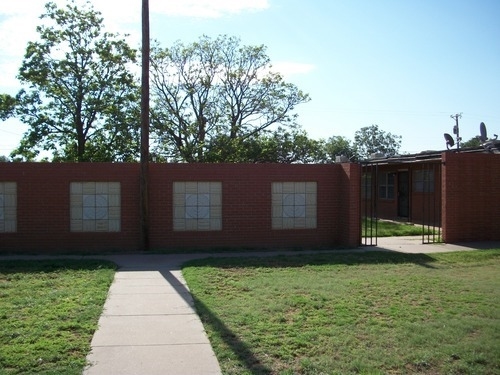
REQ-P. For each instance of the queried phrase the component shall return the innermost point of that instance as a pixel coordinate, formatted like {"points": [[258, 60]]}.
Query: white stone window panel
{"points": [[114, 188], [9, 200], [76, 213], [215, 199], [101, 188], [277, 222], [299, 211], [179, 224], [88, 213], [277, 211], [76, 188], [191, 200], [215, 188], [114, 213], [101, 200], [311, 211], [179, 212], [76, 200], [2, 226], [203, 212], [203, 224], [10, 188], [311, 199], [88, 200], [101, 213], [88, 188], [179, 200], [288, 223], [10, 213], [299, 199], [88, 226], [191, 212], [288, 187], [300, 222], [277, 188], [215, 224], [288, 199], [114, 200], [215, 212], [311, 222], [203, 187], [191, 224], [114, 225], [10, 226], [288, 212], [300, 187], [204, 200], [179, 188], [102, 226], [311, 187], [76, 225], [191, 188]]}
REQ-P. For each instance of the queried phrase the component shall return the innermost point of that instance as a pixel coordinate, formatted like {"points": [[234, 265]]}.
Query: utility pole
{"points": [[144, 178], [456, 129]]}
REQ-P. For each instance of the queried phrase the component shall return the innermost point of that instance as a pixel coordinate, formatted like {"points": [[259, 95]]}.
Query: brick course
{"points": [[471, 197], [43, 206]]}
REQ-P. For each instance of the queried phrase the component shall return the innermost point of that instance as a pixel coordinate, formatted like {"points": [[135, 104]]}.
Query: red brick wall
{"points": [[43, 206], [43, 211], [471, 197]]}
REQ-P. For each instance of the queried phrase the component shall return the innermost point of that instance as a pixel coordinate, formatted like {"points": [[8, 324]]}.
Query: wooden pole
{"points": [[144, 179]]}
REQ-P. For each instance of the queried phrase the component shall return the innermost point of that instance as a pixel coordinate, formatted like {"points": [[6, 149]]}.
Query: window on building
{"points": [[386, 185], [293, 205], [197, 206], [423, 181], [95, 206], [8, 207]]}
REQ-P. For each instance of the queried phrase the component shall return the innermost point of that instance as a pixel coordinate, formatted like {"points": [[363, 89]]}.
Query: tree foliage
{"points": [[371, 139], [473, 142], [7, 106], [215, 92], [81, 103]]}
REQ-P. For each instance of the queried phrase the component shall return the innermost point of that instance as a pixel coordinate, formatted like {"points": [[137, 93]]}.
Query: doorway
{"points": [[403, 194]]}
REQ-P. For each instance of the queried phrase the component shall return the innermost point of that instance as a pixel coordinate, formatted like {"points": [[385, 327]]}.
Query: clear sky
{"points": [[405, 65]]}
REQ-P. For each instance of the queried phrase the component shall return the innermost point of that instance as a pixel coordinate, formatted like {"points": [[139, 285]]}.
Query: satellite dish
{"points": [[484, 136], [449, 140]]}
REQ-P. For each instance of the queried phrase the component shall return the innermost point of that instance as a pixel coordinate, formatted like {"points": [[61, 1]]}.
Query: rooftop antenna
{"points": [[488, 144], [449, 140], [456, 129]]}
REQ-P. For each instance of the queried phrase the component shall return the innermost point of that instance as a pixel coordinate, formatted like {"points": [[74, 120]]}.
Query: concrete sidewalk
{"points": [[149, 325]]}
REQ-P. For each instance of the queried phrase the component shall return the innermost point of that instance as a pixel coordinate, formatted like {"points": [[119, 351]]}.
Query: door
{"points": [[403, 194]]}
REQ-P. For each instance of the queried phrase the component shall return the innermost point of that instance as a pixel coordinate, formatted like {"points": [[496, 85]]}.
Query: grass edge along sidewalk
{"points": [[351, 313], [49, 311]]}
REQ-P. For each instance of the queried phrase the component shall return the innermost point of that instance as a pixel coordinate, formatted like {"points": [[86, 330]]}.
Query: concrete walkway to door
{"points": [[149, 325]]}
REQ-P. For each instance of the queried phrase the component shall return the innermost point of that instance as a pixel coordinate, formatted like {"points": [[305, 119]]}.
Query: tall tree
{"points": [[339, 146], [214, 89], [82, 101], [371, 139]]}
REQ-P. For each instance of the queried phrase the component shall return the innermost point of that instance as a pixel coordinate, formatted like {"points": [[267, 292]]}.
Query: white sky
{"points": [[406, 65]]}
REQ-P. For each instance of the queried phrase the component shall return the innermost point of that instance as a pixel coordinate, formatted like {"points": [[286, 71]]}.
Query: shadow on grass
{"points": [[243, 351], [315, 259], [52, 265]]}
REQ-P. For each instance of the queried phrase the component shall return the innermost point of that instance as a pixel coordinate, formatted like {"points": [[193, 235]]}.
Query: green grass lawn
{"points": [[352, 313], [48, 314], [391, 229]]}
